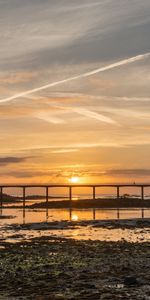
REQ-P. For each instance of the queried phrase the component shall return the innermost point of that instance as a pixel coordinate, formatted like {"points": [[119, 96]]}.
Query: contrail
{"points": [[87, 74], [82, 111]]}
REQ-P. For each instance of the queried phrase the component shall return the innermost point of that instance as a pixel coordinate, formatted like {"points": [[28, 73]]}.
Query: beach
{"points": [[53, 267], [84, 249]]}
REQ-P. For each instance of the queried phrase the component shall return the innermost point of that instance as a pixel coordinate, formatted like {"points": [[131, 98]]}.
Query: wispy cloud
{"points": [[75, 86], [77, 77], [59, 151], [66, 147], [4, 161], [129, 172], [63, 173], [48, 117], [93, 115], [18, 77]]}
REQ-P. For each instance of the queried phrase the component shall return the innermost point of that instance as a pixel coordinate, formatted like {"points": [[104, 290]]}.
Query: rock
{"points": [[59, 297], [106, 296], [130, 280]]}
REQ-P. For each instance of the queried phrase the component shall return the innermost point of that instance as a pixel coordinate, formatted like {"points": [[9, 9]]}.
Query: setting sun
{"points": [[74, 179]]}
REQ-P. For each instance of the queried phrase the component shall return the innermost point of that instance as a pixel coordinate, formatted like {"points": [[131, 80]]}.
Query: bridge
{"points": [[70, 187]]}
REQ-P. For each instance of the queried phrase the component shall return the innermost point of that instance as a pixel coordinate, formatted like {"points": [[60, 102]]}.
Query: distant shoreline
{"points": [[97, 203], [85, 203]]}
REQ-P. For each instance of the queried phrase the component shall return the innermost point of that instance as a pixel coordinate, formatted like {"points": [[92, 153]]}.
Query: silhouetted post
{"points": [[118, 192], [1, 200], [94, 199], [70, 213], [1, 195], [47, 197], [142, 198], [24, 203], [24, 196], [118, 197], [142, 192], [70, 196]]}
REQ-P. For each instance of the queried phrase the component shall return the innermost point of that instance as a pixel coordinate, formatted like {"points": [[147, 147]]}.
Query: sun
{"points": [[74, 179]]}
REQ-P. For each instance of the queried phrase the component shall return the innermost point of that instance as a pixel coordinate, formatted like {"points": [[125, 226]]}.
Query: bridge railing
{"points": [[70, 187]]}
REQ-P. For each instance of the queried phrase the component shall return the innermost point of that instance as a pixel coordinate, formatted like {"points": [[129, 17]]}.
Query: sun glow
{"points": [[74, 217], [74, 179]]}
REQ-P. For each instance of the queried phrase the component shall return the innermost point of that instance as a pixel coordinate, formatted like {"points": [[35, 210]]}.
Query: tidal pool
{"points": [[94, 224]]}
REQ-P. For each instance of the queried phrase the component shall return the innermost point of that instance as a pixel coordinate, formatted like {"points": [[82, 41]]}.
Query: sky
{"points": [[91, 124]]}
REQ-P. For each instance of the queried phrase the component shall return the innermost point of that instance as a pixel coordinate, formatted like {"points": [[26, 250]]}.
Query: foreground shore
{"points": [[56, 268]]}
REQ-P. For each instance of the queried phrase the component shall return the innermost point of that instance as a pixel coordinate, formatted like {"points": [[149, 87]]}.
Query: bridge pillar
{"points": [[94, 211], [70, 195], [142, 198], [1, 196]]}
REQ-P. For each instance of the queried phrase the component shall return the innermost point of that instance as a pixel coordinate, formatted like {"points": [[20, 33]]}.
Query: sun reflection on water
{"points": [[74, 217]]}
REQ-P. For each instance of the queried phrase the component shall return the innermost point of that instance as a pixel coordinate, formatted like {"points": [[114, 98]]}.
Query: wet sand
{"points": [[49, 267], [109, 224]]}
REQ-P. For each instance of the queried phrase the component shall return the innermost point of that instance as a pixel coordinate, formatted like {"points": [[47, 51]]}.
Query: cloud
{"points": [[65, 173], [93, 115], [54, 31], [48, 117], [104, 115], [118, 173], [77, 77], [17, 77], [69, 146], [4, 161], [25, 174], [64, 151], [129, 172]]}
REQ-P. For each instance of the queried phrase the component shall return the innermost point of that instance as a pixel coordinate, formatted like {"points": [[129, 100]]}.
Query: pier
{"points": [[70, 189]]}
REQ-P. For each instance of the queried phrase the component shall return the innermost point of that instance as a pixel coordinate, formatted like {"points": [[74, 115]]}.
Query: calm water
{"points": [[23, 216], [20, 216]]}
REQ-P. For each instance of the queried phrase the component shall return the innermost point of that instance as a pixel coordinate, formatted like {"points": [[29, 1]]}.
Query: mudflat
{"points": [[58, 268]]}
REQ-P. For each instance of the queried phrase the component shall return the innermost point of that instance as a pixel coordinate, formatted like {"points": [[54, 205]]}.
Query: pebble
{"points": [[130, 280]]}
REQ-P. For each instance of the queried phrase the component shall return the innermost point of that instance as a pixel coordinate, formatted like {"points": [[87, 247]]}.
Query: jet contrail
{"points": [[82, 111], [87, 74], [91, 114]]}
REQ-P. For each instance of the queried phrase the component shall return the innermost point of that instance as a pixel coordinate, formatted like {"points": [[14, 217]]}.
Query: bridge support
{"points": [[118, 197], [70, 195], [1, 196], [47, 198], [142, 198], [94, 211], [24, 203]]}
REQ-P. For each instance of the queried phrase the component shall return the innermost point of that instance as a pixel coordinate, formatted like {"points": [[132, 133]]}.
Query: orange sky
{"points": [[96, 128]]}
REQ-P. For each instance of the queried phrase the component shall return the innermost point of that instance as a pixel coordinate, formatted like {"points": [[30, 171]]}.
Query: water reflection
{"points": [[74, 217], [36, 217], [26, 215]]}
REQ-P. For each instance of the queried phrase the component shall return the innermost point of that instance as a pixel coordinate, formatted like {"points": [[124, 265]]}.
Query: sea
{"points": [[17, 215]]}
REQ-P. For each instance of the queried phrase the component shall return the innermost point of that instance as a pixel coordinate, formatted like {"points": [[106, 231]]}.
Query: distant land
{"points": [[97, 203], [125, 201], [13, 199]]}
